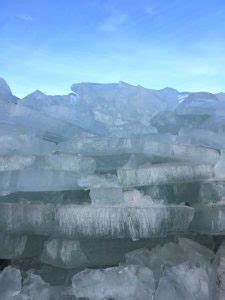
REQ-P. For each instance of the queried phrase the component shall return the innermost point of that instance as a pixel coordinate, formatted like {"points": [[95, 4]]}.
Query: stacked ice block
{"points": [[86, 178]]}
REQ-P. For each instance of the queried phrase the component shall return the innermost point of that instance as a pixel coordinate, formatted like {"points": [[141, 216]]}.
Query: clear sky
{"points": [[50, 44]]}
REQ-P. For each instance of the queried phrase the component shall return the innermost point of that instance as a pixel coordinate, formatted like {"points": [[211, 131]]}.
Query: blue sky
{"points": [[49, 45]]}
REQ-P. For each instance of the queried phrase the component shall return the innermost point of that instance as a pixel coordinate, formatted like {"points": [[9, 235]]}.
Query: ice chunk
{"points": [[204, 138], [138, 198], [209, 219], [63, 253], [212, 190], [15, 162], [6, 95], [12, 246], [122, 221], [195, 251], [87, 221], [99, 181], [24, 145], [40, 124], [146, 145], [169, 254], [10, 283], [97, 250], [180, 152], [69, 196], [40, 180], [55, 161], [66, 108], [66, 162], [27, 218], [219, 264], [186, 282], [125, 282], [164, 174], [175, 193], [106, 196], [102, 146], [219, 167], [200, 103], [35, 288], [37, 180]]}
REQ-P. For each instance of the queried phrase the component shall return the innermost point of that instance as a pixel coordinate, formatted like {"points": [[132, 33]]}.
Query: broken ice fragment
{"points": [[186, 282], [106, 196], [10, 283], [122, 283], [63, 253], [137, 198]]}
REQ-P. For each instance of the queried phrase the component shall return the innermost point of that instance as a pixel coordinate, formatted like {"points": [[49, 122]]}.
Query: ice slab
{"points": [[156, 259], [40, 124], [86, 221], [106, 196], [145, 145], [125, 282], [15, 162], [204, 138], [54, 161], [212, 190], [6, 95], [10, 283], [209, 219], [66, 162], [219, 264], [170, 254], [69, 196], [63, 253], [138, 198], [134, 222], [12, 246], [175, 193], [181, 152], [41, 180], [22, 144], [111, 252], [12, 287], [186, 282], [164, 174], [33, 180], [196, 252], [220, 166]]}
